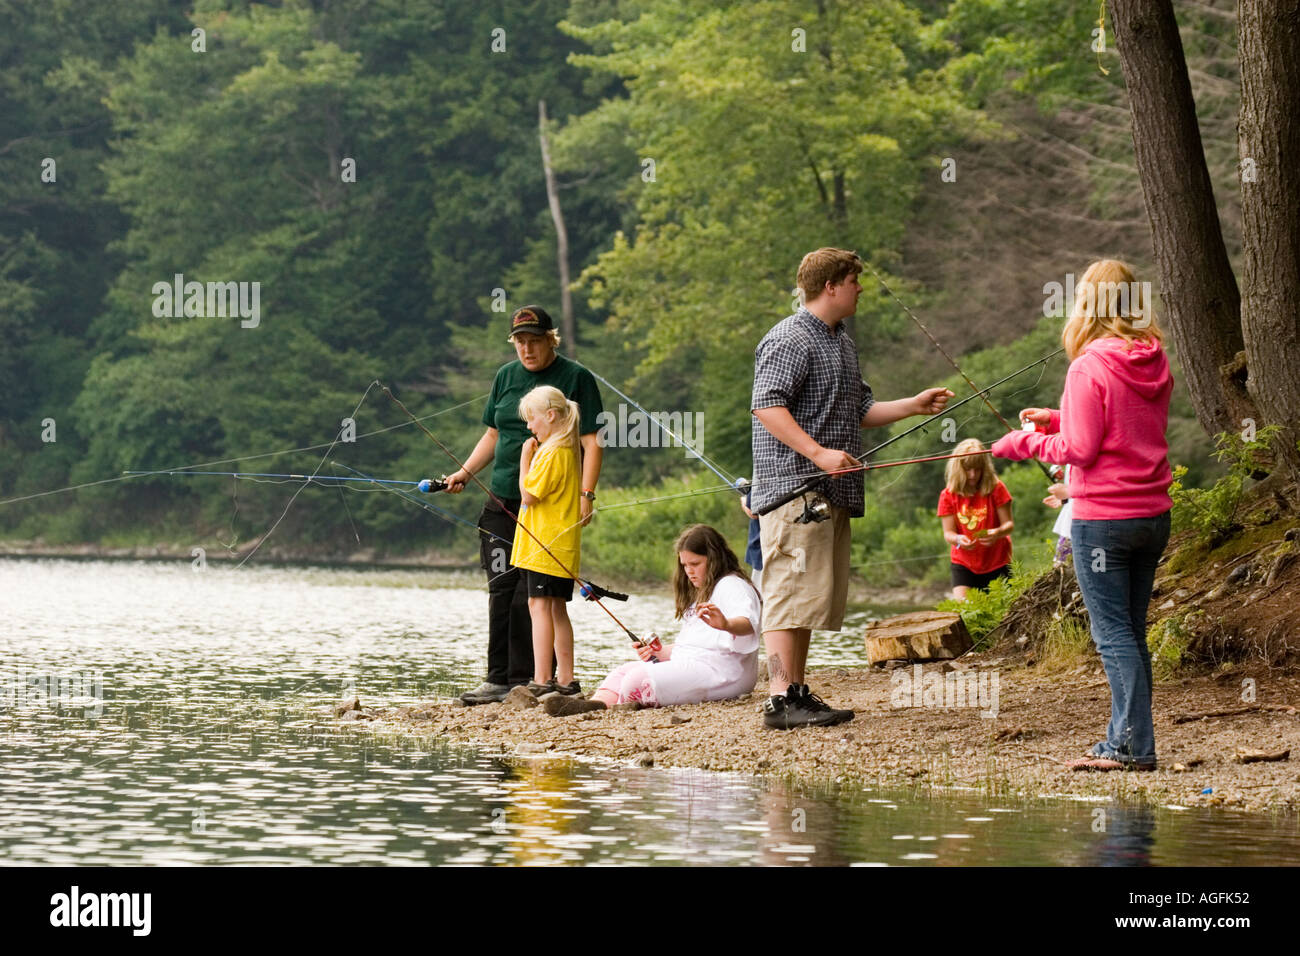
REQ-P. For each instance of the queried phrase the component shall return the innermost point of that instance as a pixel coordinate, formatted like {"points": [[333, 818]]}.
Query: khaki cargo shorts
{"points": [[805, 569]]}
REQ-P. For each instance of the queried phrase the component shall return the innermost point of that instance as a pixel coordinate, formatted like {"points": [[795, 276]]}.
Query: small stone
{"points": [[347, 706], [352, 715], [530, 748], [1167, 605], [643, 760], [457, 702], [1022, 640], [518, 699], [674, 719]]}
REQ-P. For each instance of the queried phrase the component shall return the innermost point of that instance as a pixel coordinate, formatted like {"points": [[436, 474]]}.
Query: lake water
{"points": [[152, 714]]}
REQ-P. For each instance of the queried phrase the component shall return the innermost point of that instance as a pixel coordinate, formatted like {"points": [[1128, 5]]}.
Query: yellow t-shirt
{"points": [[555, 479]]}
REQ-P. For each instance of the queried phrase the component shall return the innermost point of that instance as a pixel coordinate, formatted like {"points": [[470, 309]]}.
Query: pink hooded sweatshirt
{"points": [[1111, 428]]}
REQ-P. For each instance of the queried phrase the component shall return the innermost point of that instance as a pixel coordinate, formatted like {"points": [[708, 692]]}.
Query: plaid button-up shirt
{"points": [[804, 366]]}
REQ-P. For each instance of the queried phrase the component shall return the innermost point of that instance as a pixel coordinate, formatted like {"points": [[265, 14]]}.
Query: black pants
{"points": [[510, 629]]}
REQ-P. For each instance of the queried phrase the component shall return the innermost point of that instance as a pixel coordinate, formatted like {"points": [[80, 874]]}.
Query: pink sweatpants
{"points": [[688, 678]]}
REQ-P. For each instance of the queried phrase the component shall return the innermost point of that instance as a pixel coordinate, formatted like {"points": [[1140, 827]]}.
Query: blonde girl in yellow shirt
{"points": [[549, 481]]}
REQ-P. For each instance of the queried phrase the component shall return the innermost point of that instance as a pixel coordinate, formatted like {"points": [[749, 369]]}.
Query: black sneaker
{"points": [[812, 702], [801, 708], [486, 693], [537, 690], [568, 690]]}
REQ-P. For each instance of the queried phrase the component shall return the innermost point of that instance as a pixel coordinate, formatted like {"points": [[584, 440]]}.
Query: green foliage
{"points": [[1212, 512], [635, 542], [1168, 642], [761, 152], [983, 610], [1067, 640]]}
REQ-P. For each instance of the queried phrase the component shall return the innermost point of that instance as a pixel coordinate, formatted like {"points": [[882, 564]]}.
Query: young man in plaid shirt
{"points": [[809, 405]]}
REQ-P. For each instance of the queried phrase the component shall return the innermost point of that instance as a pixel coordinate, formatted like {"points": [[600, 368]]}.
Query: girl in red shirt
{"points": [[975, 508]]}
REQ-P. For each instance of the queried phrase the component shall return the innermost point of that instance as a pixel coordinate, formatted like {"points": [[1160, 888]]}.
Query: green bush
{"points": [[632, 535], [1212, 512], [983, 610]]}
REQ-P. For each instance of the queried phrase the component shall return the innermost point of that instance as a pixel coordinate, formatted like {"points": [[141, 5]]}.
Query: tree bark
{"points": [[561, 236], [1197, 286], [1269, 176]]}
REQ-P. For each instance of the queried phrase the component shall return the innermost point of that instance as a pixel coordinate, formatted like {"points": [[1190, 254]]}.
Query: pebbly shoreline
{"points": [[1042, 721]]}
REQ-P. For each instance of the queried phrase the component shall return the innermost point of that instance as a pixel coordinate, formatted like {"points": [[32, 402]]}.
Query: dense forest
{"points": [[376, 167]]}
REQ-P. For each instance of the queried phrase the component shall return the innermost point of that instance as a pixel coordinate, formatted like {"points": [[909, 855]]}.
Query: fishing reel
{"points": [[594, 592], [814, 511], [429, 486]]}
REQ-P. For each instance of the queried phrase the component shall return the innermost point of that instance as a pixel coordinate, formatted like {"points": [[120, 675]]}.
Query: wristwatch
{"points": [[589, 495]]}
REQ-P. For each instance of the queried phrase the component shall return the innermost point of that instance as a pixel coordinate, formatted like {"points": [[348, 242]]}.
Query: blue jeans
{"points": [[1115, 562]]}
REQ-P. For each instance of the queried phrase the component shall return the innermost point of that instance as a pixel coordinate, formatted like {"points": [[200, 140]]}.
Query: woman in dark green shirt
{"points": [[510, 638]]}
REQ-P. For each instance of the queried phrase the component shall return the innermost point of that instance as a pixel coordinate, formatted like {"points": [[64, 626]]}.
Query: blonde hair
{"points": [[551, 335], [1108, 301], [955, 472], [546, 398]]}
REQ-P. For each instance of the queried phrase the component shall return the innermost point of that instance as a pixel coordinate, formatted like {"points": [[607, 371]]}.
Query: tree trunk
{"points": [[1269, 144], [561, 236], [1197, 287]]}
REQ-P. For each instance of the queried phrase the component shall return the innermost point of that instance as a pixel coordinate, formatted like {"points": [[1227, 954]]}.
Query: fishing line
{"points": [[949, 358], [229, 461], [657, 420], [337, 438]]}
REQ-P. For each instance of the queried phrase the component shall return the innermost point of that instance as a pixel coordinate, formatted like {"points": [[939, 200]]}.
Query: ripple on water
{"points": [[213, 745]]}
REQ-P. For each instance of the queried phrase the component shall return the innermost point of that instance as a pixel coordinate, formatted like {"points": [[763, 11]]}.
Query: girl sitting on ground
{"points": [[975, 508], [716, 654]]}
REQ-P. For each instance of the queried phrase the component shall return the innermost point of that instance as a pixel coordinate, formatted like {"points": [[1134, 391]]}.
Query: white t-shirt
{"points": [[1063, 517], [734, 597]]}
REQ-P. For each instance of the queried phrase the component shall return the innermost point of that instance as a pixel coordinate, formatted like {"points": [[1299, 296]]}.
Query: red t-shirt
{"points": [[977, 513]]}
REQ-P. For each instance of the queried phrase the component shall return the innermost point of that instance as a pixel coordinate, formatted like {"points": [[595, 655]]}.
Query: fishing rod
{"points": [[816, 478], [426, 485], [935, 342], [955, 405], [588, 592], [819, 510]]}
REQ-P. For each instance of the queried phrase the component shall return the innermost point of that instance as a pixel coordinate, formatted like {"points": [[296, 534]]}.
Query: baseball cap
{"points": [[531, 318]]}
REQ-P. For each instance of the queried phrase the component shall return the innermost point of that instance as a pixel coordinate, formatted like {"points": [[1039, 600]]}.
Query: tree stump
{"points": [[919, 636]]}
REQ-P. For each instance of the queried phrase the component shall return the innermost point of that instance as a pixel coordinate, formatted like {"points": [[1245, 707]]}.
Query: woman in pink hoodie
{"points": [[1111, 429]]}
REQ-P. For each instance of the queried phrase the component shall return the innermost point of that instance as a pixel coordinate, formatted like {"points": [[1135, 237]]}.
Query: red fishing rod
{"points": [[935, 342]]}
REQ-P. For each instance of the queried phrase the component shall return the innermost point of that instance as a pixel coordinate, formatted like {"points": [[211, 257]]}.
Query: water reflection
{"points": [[205, 742]]}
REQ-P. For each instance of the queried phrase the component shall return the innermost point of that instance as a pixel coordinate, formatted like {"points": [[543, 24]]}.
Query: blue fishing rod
{"points": [[426, 485]]}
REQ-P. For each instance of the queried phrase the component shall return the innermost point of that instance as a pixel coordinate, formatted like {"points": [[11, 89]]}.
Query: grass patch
{"points": [[1168, 642], [1068, 641]]}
